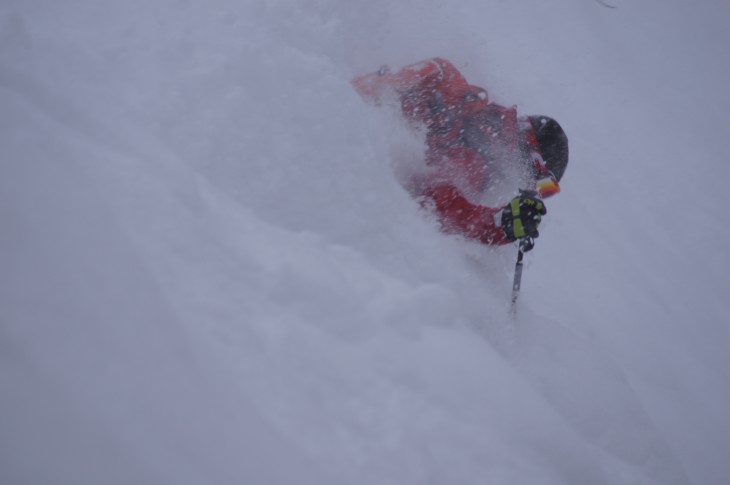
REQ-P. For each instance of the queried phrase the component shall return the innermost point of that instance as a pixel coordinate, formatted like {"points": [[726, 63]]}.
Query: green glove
{"points": [[522, 215]]}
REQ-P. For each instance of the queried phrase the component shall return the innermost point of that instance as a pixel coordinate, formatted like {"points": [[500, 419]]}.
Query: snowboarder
{"points": [[474, 148]]}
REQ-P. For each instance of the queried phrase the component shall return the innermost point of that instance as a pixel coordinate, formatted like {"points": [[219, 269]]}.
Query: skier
{"points": [[474, 148]]}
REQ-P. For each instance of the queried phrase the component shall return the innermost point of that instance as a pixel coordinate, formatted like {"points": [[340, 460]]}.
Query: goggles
{"points": [[546, 184]]}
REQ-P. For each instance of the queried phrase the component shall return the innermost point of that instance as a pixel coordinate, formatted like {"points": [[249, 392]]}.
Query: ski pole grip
{"points": [[526, 244]]}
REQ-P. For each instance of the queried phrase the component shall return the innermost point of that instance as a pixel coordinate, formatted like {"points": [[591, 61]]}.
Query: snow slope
{"points": [[210, 273]]}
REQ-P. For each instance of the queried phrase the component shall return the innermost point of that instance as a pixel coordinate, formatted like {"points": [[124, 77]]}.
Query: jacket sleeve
{"points": [[459, 216]]}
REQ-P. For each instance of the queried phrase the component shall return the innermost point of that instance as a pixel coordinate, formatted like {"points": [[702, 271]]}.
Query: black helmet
{"points": [[553, 143]]}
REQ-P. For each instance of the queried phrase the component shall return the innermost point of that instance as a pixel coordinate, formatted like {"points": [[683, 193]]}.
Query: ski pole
{"points": [[525, 245], [516, 282]]}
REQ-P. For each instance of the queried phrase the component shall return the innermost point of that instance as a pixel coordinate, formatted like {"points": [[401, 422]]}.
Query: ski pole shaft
{"points": [[517, 282]]}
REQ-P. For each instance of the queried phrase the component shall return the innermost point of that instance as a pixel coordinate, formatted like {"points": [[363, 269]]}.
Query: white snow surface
{"points": [[209, 273]]}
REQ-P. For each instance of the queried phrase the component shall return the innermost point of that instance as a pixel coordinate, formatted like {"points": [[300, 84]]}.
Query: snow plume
{"points": [[210, 273]]}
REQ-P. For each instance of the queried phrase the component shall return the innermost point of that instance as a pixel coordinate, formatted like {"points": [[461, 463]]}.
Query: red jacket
{"points": [[468, 139]]}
